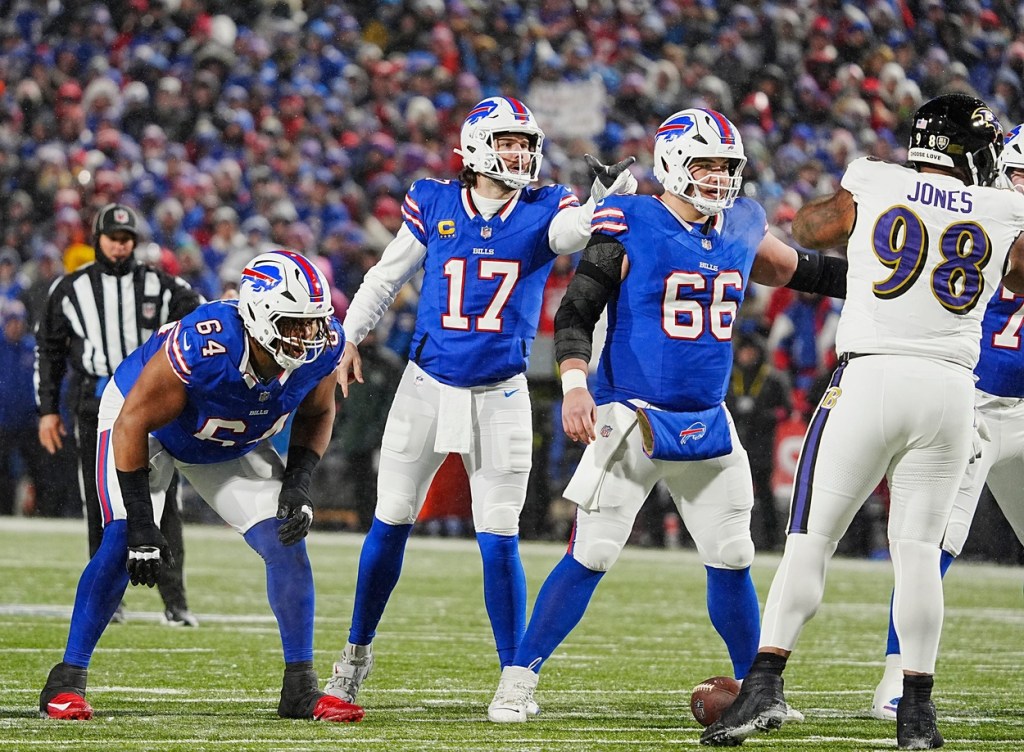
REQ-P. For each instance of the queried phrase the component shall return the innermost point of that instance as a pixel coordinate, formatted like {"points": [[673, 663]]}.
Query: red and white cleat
{"points": [[330, 708], [68, 706]]}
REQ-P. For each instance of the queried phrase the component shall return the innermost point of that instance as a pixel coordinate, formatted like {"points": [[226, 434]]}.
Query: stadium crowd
{"points": [[237, 127]]}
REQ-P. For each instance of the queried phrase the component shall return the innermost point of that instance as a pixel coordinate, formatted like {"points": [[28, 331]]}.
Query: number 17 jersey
{"points": [[926, 254]]}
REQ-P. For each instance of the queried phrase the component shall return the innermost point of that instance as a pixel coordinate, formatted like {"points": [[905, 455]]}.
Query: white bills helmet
{"points": [[285, 302], [1011, 158], [493, 116], [699, 134]]}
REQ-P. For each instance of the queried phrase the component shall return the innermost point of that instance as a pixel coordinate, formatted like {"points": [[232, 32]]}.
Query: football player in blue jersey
{"points": [[672, 271], [999, 400], [486, 243], [204, 396]]}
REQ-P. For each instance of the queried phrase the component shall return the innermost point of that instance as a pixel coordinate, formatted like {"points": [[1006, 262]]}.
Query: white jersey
{"points": [[925, 254]]}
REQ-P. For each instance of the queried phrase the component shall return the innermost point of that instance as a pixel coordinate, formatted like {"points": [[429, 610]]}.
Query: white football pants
{"points": [[242, 491], [614, 477], [1001, 465], [497, 430], [909, 419]]}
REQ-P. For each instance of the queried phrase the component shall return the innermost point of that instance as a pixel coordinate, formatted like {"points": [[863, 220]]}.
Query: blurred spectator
{"points": [[359, 427], [21, 455], [758, 398]]}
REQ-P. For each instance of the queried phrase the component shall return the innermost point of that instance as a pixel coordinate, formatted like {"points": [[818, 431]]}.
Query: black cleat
{"points": [[915, 725], [760, 706]]}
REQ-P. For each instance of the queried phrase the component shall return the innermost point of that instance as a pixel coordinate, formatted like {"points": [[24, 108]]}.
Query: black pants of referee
{"points": [[172, 580]]}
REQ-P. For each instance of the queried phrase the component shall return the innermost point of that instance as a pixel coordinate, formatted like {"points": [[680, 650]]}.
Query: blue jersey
{"points": [[483, 279], [670, 323], [1000, 369], [229, 411]]}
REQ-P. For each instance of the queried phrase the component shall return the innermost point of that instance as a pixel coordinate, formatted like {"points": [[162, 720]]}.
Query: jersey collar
{"points": [[472, 212]]}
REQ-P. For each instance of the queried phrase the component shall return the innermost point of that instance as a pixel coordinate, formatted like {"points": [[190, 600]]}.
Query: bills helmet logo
{"points": [[121, 216], [672, 129], [488, 106], [264, 277], [695, 432]]}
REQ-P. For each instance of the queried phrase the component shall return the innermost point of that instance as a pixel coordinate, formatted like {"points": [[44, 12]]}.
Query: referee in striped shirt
{"points": [[94, 318]]}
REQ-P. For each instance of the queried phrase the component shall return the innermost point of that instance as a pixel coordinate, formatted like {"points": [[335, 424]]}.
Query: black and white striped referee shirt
{"points": [[94, 318]]}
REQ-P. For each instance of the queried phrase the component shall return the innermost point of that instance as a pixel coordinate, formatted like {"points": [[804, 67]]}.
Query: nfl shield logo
{"points": [[264, 396], [148, 310], [606, 431], [706, 244], [485, 232]]}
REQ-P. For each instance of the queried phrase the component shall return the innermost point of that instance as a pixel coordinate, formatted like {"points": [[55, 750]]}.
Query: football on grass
{"points": [[711, 697]]}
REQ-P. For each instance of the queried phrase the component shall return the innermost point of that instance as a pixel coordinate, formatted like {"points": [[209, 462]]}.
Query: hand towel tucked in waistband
{"points": [[597, 469], [454, 420]]}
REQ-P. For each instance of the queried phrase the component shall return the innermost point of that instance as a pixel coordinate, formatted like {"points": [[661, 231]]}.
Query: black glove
{"points": [[605, 177], [293, 503], [147, 547]]}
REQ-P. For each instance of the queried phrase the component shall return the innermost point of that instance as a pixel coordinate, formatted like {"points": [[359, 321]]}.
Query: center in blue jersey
{"points": [[670, 323], [1000, 368], [229, 411], [483, 280]]}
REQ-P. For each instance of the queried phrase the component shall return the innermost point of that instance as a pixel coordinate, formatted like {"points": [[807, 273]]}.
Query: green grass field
{"points": [[621, 682]]}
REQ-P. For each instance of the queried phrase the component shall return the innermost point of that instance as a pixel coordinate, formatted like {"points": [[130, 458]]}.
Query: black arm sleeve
{"points": [[818, 273], [596, 280], [53, 338]]}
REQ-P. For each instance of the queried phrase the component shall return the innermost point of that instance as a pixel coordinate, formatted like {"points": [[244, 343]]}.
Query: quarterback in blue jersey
{"points": [[999, 401], [485, 244], [672, 271], [204, 396]]}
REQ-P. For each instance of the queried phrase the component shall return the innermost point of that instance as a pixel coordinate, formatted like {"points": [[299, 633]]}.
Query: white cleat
{"points": [[352, 668], [514, 697], [793, 715], [889, 690]]}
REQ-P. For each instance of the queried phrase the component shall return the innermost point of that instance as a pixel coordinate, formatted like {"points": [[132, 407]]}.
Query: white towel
{"points": [[454, 420], [614, 424]]}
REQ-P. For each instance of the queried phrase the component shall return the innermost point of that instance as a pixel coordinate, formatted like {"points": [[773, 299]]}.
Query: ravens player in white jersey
{"points": [[999, 399], [927, 244], [204, 396], [672, 271], [486, 244]]}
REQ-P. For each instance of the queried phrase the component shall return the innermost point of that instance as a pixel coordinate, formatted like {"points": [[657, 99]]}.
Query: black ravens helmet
{"points": [[958, 132]]}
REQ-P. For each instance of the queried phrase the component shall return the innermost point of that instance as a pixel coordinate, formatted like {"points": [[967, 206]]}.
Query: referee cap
{"points": [[114, 217]]}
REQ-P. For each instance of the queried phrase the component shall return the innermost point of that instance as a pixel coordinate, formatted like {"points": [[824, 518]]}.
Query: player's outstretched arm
{"points": [[350, 368], [825, 222], [778, 263]]}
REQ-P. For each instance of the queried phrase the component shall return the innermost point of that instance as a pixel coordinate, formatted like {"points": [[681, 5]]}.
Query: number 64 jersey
{"points": [[926, 254], [229, 410]]}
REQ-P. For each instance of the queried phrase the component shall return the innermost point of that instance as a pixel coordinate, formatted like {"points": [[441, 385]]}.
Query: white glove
{"points": [[981, 437], [610, 180]]}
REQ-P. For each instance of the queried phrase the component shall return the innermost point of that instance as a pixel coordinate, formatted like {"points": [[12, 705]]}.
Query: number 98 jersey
{"points": [[229, 411], [926, 254]]}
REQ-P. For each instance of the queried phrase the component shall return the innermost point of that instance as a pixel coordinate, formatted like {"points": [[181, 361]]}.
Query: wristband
{"points": [[302, 461], [572, 379]]}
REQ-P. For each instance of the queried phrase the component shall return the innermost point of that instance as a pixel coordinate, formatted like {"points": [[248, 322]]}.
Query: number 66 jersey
{"points": [[926, 254]]}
